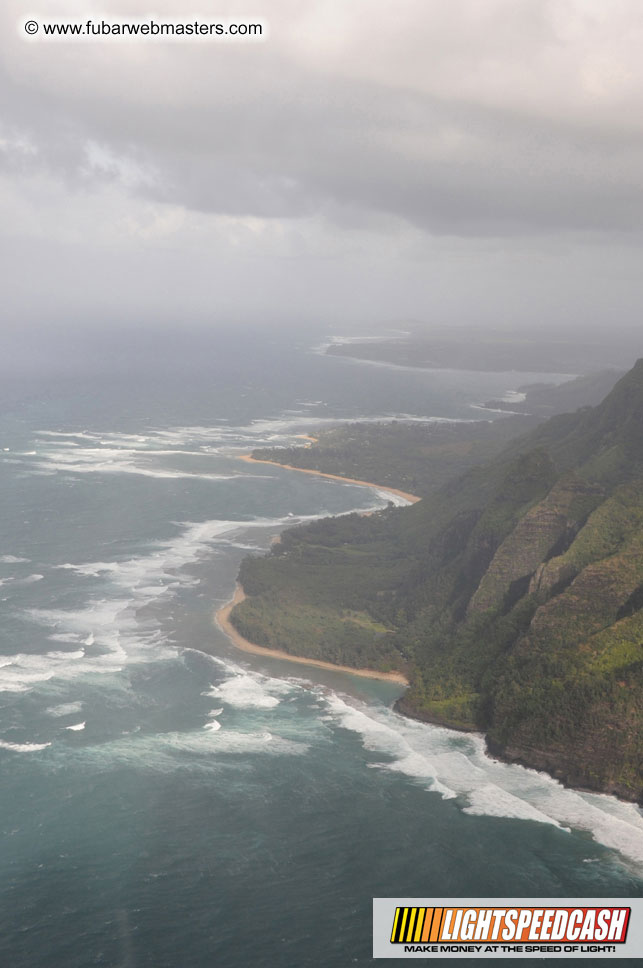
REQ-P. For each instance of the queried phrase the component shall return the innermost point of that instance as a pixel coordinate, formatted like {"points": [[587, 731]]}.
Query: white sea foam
{"points": [[18, 673], [456, 764], [506, 413], [202, 749], [145, 455], [108, 625], [23, 747], [390, 498], [79, 654], [118, 461], [64, 709], [13, 560], [118, 638], [250, 691], [119, 453], [29, 580], [76, 727], [491, 800], [233, 742]]}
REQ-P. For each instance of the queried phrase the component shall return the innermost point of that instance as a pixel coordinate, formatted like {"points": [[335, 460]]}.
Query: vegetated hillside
{"points": [[547, 399], [512, 597], [422, 456], [416, 457]]}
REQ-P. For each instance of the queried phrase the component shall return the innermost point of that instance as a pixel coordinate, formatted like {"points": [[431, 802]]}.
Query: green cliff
{"points": [[512, 597]]}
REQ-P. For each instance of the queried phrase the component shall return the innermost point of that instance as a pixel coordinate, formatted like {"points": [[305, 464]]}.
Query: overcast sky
{"points": [[459, 162]]}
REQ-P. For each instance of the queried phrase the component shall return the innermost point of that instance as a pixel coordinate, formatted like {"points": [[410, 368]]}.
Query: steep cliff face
{"points": [[513, 599], [549, 656], [548, 525]]}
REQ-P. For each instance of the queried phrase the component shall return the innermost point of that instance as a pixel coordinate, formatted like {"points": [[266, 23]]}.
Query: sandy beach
{"points": [[411, 498], [222, 620]]}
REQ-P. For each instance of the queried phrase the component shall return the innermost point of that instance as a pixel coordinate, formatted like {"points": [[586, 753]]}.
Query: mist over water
{"points": [[171, 801]]}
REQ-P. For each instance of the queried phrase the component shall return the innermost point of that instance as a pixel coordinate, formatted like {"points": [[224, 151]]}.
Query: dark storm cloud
{"points": [[262, 133], [477, 160], [360, 147]]}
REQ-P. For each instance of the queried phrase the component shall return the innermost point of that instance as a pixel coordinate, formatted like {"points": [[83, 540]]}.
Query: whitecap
{"points": [[78, 654], [23, 747], [76, 727], [65, 708], [459, 764], [490, 800], [245, 692]]}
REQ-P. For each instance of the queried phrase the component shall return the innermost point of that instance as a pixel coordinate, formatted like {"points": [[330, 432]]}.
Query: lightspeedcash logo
{"points": [[455, 925], [501, 928]]}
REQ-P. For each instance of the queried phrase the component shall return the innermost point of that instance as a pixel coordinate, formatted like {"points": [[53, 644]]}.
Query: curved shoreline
{"points": [[411, 498], [222, 620]]}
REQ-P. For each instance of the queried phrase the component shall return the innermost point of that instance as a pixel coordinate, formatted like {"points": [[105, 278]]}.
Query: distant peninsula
{"points": [[498, 351], [510, 596]]}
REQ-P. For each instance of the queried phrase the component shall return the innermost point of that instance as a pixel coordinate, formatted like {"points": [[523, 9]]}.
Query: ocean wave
{"points": [[232, 742], [456, 765], [391, 498], [118, 639], [246, 690], [24, 671], [23, 747], [201, 749], [84, 452], [95, 462], [107, 628], [64, 709]]}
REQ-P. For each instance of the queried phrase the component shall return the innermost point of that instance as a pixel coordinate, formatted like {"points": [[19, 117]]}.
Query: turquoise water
{"points": [[170, 801]]}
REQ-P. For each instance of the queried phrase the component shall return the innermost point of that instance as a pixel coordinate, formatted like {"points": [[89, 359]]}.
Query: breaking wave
{"points": [[455, 765]]}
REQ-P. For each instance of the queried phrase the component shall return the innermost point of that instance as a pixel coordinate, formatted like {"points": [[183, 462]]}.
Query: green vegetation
{"points": [[547, 399], [415, 457], [512, 597]]}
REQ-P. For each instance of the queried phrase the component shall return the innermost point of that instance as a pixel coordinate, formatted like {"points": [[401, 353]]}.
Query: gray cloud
{"points": [[350, 143]]}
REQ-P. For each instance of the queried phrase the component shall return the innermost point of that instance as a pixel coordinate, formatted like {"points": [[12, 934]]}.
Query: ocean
{"points": [[169, 801]]}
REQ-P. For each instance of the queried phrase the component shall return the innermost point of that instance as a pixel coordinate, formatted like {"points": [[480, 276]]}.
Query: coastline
{"points": [[545, 764], [222, 621], [411, 498]]}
